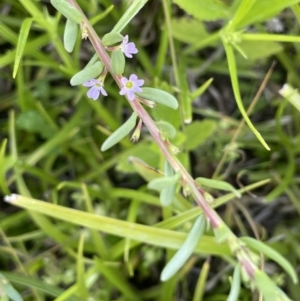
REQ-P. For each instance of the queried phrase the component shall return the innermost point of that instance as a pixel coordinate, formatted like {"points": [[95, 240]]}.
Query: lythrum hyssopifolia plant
{"points": [[107, 76]]}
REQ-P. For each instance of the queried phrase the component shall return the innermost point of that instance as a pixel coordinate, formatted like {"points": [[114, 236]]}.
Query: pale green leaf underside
{"points": [[159, 96], [120, 133], [67, 10], [70, 35], [87, 74], [185, 251], [216, 184], [117, 62]]}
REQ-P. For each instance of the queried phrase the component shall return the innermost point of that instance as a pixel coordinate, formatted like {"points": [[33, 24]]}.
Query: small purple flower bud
{"points": [[96, 88], [131, 86], [128, 48]]}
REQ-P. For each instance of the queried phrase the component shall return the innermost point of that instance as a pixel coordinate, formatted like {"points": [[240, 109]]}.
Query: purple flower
{"points": [[128, 48], [96, 88], [131, 86]]}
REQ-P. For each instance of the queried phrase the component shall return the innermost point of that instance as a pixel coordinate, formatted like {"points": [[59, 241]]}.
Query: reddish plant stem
{"points": [[212, 216]]}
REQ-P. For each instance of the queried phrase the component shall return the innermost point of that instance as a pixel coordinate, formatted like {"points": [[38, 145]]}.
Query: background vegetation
{"points": [[51, 135]]}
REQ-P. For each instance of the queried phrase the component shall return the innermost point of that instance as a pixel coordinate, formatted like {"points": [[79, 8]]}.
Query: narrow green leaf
{"points": [[120, 133], [272, 254], [244, 7], [236, 91], [185, 251], [198, 92], [265, 285], [70, 35], [152, 235], [3, 168], [112, 38], [159, 96], [9, 290], [216, 184], [118, 62], [21, 43], [82, 291], [39, 285], [87, 74], [291, 94], [165, 182], [235, 285], [67, 10], [166, 128], [133, 9], [208, 10], [167, 194]]}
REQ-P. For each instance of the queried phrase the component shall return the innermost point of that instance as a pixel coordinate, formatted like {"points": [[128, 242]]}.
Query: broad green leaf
{"points": [[70, 35], [188, 30], [21, 43], [87, 74], [167, 194], [9, 290], [112, 38], [159, 96], [235, 285], [208, 10], [259, 49], [166, 128], [154, 236], [33, 122], [120, 133], [291, 94], [67, 10], [198, 132], [133, 9], [236, 91], [118, 62], [272, 254], [261, 10], [164, 182], [185, 251], [216, 184]]}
